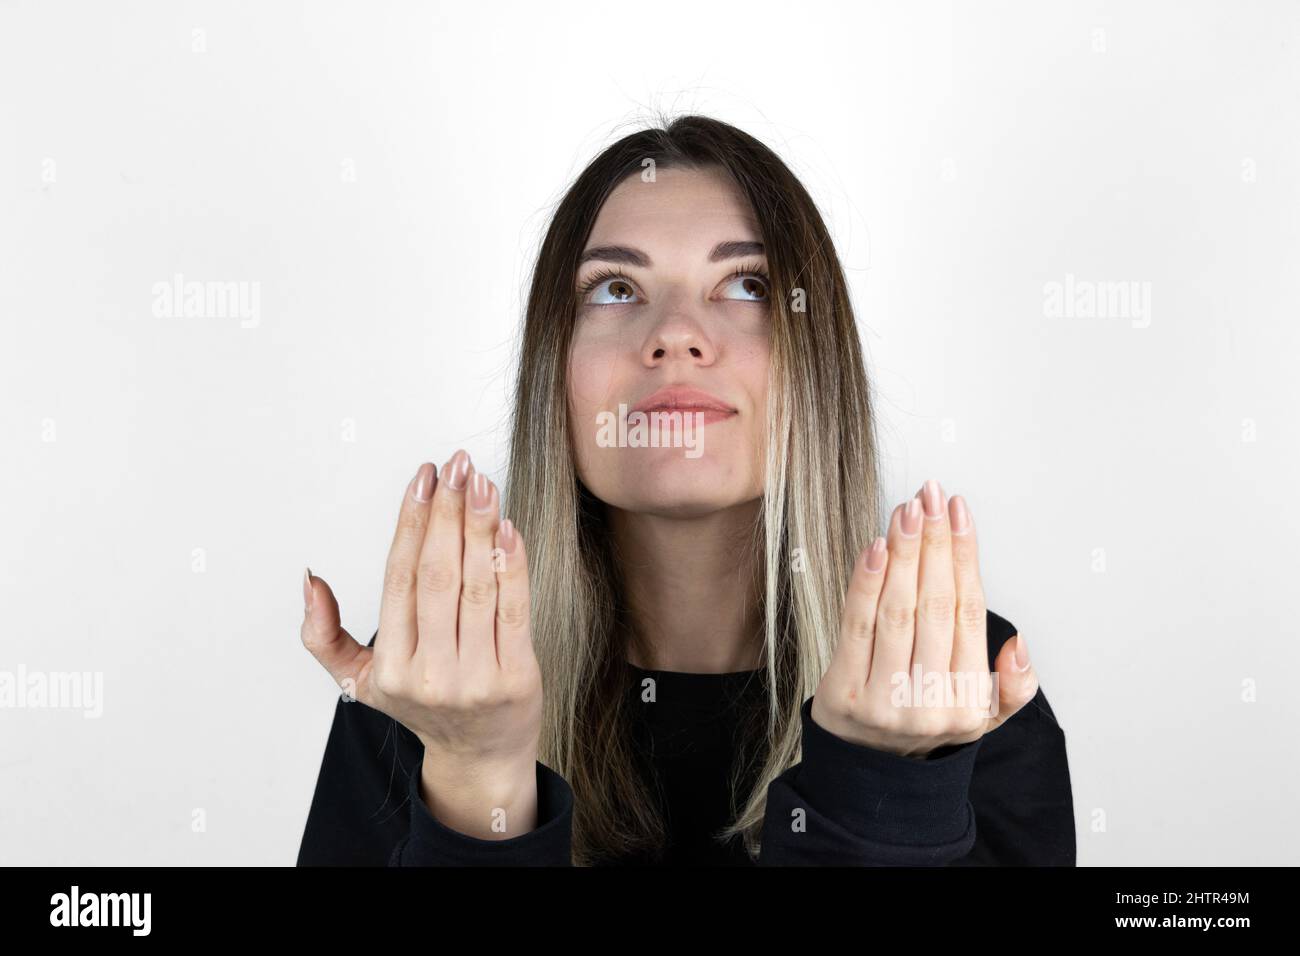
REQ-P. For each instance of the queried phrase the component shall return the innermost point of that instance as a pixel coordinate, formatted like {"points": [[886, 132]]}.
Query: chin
{"points": [[663, 482]]}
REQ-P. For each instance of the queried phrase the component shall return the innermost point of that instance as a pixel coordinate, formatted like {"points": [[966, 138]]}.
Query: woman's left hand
{"points": [[910, 672]]}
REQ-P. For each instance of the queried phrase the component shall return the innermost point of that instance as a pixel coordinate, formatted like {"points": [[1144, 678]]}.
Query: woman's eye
{"points": [[751, 288], [612, 292]]}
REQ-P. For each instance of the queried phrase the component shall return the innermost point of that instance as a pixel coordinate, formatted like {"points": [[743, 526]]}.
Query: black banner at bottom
{"points": [[937, 906]]}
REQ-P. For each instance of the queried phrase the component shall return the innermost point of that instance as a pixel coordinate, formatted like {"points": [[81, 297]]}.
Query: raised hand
{"points": [[910, 673], [453, 660]]}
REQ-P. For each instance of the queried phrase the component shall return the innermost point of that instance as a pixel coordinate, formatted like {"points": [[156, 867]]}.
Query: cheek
{"points": [[592, 383], [753, 365], [592, 378]]}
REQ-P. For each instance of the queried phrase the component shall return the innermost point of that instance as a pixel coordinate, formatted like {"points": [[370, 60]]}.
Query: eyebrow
{"points": [[626, 255]]}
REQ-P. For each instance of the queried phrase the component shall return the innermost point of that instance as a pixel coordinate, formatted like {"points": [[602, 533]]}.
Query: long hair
{"points": [[821, 498]]}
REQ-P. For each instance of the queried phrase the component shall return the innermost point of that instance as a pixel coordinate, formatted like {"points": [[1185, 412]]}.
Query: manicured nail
{"points": [[480, 492], [456, 471], [876, 555], [1021, 654], [909, 522], [506, 535], [306, 591], [422, 489], [960, 515], [932, 499]]}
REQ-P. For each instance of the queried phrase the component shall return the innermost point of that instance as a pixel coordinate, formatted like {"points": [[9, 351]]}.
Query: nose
{"points": [[678, 336]]}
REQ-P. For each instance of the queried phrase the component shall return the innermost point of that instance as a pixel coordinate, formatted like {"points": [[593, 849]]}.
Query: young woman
{"points": [[688, 650]]}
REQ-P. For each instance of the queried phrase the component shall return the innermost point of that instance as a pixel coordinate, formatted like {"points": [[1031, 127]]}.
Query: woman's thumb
{"points": [[1017, 680], [328, 642]]}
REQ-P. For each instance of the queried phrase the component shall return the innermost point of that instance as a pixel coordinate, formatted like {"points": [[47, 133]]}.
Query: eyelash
{"points": [[745, 271]]}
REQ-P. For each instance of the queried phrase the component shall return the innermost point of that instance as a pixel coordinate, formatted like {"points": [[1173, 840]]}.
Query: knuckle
{"points": [[971, 611], [971, 721], [929, 724], [477, 592], [903, 553], [839, 698], [477, 696], [512, 612], [438, 577], [898, 615], [436, 694], [447, 507], [410, 527], [517, 686], [387, 680], [859, 627], [881, 714], [935, 534], [938, 607], [399, 581], [965, 560], [427, 686], [847, 707]]}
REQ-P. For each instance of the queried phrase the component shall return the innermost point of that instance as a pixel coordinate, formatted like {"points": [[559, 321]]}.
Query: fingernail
{"points": [[1021, 654], [306, 591], [960, 516], [909, 521], [876, 555], [932, 498], [456, 471], [480, 492], [423, 489], [506, 532]]}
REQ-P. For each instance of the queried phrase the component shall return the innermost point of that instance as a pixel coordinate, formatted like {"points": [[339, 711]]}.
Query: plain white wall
{"points": [[383, 172]]}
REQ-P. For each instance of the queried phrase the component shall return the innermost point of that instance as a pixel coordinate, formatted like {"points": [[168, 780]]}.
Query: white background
{"points": [[964, 156]]}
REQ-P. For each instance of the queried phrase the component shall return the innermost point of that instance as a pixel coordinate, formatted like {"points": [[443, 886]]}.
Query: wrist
{"points": [[484, 800]]}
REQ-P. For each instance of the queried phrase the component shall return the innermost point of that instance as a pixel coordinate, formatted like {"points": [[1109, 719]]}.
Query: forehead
{"points": [[682, 207]]}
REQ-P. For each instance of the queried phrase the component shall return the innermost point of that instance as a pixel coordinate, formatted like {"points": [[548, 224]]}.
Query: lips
{"points": [[680, 398]]}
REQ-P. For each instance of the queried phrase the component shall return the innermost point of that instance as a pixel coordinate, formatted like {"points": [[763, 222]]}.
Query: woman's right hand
{"points": [[453, 660]]}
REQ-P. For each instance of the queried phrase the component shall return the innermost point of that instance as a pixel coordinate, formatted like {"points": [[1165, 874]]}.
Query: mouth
{"points": [[686, 401]]}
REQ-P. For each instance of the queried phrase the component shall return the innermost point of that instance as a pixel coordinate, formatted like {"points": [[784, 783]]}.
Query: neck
{"points": [[691, 590]]}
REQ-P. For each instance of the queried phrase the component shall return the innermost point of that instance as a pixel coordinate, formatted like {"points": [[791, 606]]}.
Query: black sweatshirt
{"points": [[1003, 799]]}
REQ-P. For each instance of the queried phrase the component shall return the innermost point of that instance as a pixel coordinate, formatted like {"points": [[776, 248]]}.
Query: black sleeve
{"points": [[359, 811], [367, 810], [1021, 793], [845, 804], [1003, 799], [1024, 810]]}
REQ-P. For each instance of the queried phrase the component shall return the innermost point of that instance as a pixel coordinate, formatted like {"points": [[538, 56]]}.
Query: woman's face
{"points": [[666, 328]]}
